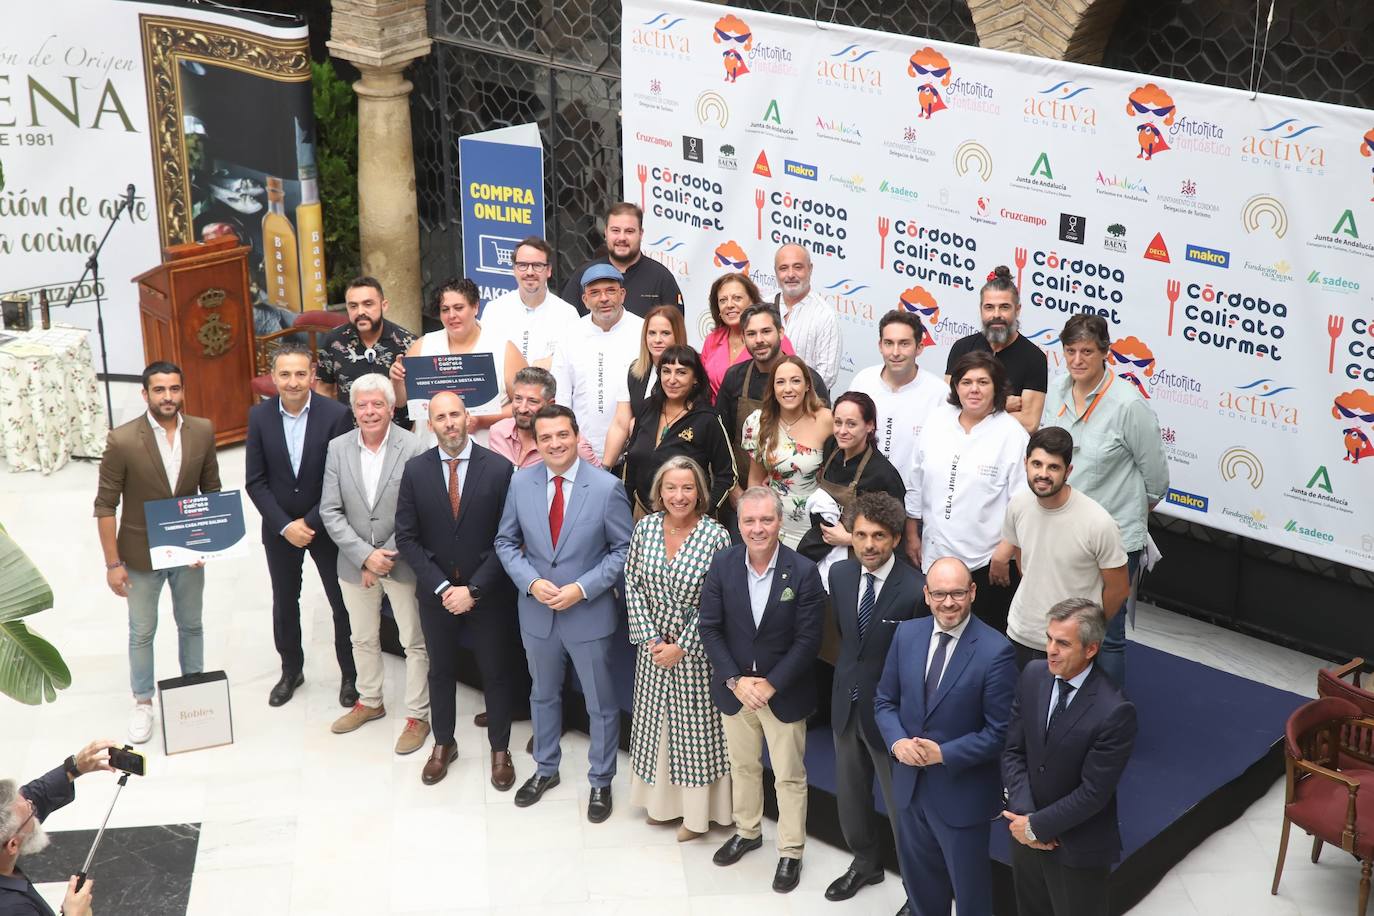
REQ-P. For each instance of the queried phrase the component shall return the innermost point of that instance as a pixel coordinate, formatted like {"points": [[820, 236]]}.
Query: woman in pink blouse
{"points": [[730, 295]]}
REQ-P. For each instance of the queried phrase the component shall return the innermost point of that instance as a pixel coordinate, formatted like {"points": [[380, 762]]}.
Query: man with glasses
{"points": [[530, 316], [647, 282], [367, 344], [943, 706], [22, 812]]}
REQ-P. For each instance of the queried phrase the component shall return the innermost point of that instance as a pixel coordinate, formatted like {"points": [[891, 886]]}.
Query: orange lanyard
{"points": [[1096, 400]]}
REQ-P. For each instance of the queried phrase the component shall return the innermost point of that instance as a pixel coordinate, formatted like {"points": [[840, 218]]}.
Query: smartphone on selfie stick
{"points": [[132, 763]]}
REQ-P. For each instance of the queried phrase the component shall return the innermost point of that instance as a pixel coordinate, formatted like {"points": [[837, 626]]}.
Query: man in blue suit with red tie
{"points": [[943, 706]]}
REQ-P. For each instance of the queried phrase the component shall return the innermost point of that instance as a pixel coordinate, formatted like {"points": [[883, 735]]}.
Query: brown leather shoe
{"points": [[502, 770], [436, 767], [480, 720]]}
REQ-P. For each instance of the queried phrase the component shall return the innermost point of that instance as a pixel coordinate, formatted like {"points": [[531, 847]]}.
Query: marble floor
{"points": [[295, 820]]}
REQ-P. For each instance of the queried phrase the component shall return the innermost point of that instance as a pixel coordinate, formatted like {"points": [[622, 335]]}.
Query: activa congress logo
{"points": [[734, 33], [1290, 145], [854, 68], [1149, 102], [662, 36], [669, 252], [1064, 106], [932, 71], [1258, 403]]}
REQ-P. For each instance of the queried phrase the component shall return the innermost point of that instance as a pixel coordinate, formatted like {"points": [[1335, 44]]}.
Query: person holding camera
{"points": [[22, 812]]}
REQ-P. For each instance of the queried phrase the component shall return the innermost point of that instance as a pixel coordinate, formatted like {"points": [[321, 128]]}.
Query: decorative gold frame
{"points": [[167, 42]]}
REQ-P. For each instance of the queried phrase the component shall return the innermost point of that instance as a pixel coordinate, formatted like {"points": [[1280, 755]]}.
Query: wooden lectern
{"points": [[195, 311]]}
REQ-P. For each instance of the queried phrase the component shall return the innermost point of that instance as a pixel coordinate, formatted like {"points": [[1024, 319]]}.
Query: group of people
{"points": [[919, 534]]}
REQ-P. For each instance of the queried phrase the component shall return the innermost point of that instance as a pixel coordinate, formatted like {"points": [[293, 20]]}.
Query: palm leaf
{"points": [[31, 668]]}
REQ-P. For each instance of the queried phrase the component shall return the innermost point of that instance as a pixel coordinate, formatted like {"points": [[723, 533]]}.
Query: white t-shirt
{"points": [[961, 482], [1063, 553], [534, 331], [590, 368]]}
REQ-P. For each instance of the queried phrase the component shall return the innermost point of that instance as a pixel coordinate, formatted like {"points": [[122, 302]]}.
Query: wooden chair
{"points": [[1323, 800], [1332, 683], [312, 324]]}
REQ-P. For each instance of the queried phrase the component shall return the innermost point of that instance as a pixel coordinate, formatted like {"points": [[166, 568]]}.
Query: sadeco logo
{"points": [[1210, 256], [800, 170], [1186, 500], [1312, 534]]}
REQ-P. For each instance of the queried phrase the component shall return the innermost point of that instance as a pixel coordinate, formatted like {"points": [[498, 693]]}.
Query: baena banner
{"points": [[1228, 242]]}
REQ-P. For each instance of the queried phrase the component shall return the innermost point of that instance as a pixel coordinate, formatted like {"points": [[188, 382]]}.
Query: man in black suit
{"points": [[760, 619], [447, 514], [870, 596], [1071, 734], [288, 439]]}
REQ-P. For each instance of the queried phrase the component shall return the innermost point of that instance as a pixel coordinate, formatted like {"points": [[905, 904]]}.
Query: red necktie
{"points": [[556, 510]]}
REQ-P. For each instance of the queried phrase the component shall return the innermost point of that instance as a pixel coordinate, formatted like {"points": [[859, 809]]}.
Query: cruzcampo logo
{"points": [[1346, 225], [1042, 167], [1320, 480], [772, 114]]}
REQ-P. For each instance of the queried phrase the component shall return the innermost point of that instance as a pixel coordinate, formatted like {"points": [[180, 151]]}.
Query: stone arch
{"points": [[1075, 30]]}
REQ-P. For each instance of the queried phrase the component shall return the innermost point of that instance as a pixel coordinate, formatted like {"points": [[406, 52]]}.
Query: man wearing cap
{"points": [[600, 346], [648, 284]]}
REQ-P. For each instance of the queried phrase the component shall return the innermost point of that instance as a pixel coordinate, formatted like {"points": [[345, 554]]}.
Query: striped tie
{"points": [[865, 618]]}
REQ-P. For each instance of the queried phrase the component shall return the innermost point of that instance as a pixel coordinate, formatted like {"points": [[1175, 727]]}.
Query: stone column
{"points": [[1075, 30], [380, 38]]}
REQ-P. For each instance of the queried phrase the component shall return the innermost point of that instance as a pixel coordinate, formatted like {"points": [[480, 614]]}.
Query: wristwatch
{"points": [[731, 682], [475, 592], [1030, 834], [115, 565], [70, 766]]}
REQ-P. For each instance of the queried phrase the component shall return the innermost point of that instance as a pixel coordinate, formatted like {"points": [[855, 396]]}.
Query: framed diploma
{"points": [[471, 376], [191, 529]]}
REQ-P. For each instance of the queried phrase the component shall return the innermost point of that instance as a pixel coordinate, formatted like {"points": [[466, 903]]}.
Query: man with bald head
{"points": [[807, 318], [943, 706], [447, 514]]}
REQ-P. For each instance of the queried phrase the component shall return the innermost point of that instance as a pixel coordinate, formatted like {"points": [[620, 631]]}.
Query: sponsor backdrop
{"points": [[1227, 241], [207, 115]]}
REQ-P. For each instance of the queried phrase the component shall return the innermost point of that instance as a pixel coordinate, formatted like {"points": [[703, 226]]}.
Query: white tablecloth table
{"points": [[51, 403]]}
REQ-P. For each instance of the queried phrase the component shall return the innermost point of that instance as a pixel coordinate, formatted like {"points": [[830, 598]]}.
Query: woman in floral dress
{"points": [[677, 746], [785, 440]]}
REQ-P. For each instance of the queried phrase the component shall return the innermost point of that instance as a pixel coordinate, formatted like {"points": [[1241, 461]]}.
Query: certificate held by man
{"points": [[192, 529], [472, 376]]}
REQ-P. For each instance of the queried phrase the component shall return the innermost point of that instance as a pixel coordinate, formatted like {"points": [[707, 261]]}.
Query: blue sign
{"points": [[1215, 257], [191, 529], [502, 191], [471, 376]]}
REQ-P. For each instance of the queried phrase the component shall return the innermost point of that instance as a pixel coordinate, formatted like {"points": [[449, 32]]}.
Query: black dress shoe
{"points": [[787, 875], [735, 848], [348, 692], [905, 910], [281, 693], [534, 789], [599, 804], [850, 883]]}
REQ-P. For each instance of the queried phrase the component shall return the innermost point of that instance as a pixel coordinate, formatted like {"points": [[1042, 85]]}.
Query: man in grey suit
{"points": [[362, 474], [563, 539]]}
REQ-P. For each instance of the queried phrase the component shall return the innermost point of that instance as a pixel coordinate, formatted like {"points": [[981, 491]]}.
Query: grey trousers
{"points": [[856, 762]]}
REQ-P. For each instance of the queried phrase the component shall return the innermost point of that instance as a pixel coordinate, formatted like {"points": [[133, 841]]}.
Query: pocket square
{"points": [[787, 594]]}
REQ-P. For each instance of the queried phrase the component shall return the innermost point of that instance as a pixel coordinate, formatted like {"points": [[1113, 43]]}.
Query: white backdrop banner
{"points": [[1220, 237], [74, 133]]}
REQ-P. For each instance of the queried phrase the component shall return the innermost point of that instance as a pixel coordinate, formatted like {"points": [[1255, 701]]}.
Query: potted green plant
{"points": [[31, 668]]}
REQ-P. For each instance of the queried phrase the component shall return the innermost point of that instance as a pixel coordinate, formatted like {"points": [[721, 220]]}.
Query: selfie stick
{"points": [[90, 856]]}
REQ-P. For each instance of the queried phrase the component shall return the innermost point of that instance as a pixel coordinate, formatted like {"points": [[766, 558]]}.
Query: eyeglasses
{"points": [[530, 266], [726, 36], [1127, 360], [1350, 414], [940, 597], [936, 72], [1157, 112]]}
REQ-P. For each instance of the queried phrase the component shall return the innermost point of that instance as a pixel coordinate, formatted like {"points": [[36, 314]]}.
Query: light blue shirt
{"points": [[569, 476], [1076, 682], [760, 584], [294, 428]]}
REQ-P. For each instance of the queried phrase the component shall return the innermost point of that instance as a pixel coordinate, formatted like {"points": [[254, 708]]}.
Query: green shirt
{"points": [[1118, 457]]}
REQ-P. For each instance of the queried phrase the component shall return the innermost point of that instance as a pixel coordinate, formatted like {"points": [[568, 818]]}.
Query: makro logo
{"points": [[853, 67], [1290, 145], [932, 71], [1186, 500], [1149, 102], [800, 170], [734, 33], [662, 36], [1311, 534], [1331, 283], [1213, 257], [1063, 107]]}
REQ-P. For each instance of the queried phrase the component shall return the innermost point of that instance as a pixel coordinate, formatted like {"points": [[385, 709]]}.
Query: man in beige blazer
{"points": [[158, 455]]}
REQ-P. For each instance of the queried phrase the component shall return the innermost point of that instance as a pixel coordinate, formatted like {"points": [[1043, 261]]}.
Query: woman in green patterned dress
{"points": [[677, 746]]}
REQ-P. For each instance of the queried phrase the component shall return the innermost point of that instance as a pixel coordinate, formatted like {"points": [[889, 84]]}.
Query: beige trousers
{"points": [[365, 618], [745, 733]]}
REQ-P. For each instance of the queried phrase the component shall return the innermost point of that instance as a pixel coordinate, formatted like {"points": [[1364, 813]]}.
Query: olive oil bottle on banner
{"points": [[310, 227], [279, 251]]}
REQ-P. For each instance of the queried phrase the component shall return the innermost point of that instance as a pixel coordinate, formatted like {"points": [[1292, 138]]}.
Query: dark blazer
{"points": [[861, 662], [281, 496], [438, 547], [48, 792], [967, 717], [1067, 782], [697, 434], [784, 644]]}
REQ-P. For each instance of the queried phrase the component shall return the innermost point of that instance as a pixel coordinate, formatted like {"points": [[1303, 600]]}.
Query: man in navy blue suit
{"points": [[564, 533], [1071, 735], [762, 608], [943, 705], [288, 439]]}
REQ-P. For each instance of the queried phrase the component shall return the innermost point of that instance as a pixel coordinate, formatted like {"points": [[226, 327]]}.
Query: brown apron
{"points": [[844, 495], [743, 408]]}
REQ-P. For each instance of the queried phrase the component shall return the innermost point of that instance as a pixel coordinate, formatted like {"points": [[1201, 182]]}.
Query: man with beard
{"points": [[530, 316], [368, 343], [1027, 369], [647, 282], [1066, 545], [160, 454], [513, 437], [808, 319], [22, 812]]}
